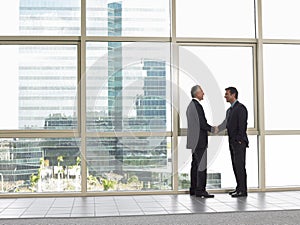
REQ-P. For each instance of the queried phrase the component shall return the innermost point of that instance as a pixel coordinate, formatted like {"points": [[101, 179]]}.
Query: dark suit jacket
{"points": [[236, 123], [198, 127]]}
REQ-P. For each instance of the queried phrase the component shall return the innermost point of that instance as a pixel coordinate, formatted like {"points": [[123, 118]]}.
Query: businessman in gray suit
{"points": [[197, 140], [236, 125]]}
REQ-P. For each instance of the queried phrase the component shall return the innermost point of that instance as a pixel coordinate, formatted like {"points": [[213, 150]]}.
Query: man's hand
{"points": [[216, 130]]}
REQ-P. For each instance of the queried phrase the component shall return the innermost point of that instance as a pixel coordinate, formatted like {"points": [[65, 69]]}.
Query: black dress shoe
{"points": [[239, 194], [204, 194], [232, 192]]}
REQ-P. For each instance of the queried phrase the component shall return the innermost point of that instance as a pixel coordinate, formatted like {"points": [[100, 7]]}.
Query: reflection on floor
{"points": [[144, 205]]}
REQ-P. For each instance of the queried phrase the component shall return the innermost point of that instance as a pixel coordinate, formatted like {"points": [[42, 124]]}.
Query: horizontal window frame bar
{"points": [[54, 42], [213, 44], [178, 40], [126, 39], [281, 132], [215, 40], [287, 188], [40, 38], [281, 41], [39, 133], [76, 133], [250, 131], [128, 134], [86, 194]]}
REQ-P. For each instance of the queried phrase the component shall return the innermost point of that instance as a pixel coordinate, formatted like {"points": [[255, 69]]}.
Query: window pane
{"points": [[216, 68], [215, 18], [128, 87], [129, 163], [128, 18], [281, 74], [40, 165], [30, 17], [281, 19], [219, 168], [38, 87], [282, 161]]}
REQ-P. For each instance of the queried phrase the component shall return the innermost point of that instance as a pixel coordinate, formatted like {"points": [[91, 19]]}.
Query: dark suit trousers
{"points": [[199, 170], [238, 159]]}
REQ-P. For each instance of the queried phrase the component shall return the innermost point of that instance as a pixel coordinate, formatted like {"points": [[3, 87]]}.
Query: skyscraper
{"points": [[147, 153], [115, 79], [47, 73], [152, 105]]}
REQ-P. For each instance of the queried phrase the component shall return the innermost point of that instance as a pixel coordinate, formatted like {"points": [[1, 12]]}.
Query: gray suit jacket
{"points": [[197, 126]]}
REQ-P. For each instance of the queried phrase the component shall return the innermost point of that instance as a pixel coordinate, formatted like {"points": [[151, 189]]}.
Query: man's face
{"points": [[199, 94], [229, 97]]}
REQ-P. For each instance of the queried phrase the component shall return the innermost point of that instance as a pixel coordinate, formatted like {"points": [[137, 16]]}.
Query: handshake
{"points": [[215, 130]]}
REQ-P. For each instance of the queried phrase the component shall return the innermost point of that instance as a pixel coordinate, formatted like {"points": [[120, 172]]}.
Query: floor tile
{"points": [[12, 211], [58, 215], [156, 213], [128, 213], [82, 215], [83, 210], [32, 216], [107, 214]]}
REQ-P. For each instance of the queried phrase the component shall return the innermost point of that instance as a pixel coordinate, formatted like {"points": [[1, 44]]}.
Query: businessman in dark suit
{"points": [[236, 125], [197, 140]]}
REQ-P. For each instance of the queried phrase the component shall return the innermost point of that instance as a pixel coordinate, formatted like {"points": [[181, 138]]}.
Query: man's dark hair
{"points": [[233, 90], [194, 90]]}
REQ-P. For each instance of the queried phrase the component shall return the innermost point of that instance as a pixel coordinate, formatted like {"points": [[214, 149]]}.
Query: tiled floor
{"points": [[144, 205]]}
